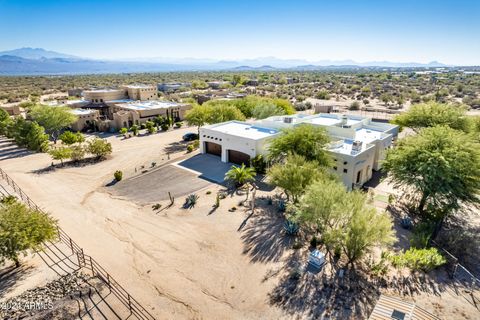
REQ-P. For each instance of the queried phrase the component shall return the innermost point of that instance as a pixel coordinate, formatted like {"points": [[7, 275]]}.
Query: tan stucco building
{"points": [[130, 92], [138, 112]]}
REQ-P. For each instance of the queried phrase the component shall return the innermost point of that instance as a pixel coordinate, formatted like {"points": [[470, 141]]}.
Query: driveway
{"points": [[155, 185], [206, 166]]}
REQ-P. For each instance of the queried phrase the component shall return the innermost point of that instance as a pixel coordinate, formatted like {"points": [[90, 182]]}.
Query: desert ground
{"points": [[180, 264], [195, 263]]}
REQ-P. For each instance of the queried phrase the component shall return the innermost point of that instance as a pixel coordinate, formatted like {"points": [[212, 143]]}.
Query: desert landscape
{"points": [[199, 263]]}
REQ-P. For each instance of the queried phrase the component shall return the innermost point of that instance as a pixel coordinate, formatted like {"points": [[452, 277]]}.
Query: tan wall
{"points": [[12, 110], [147, 93], [103, 96], [83, 120]]}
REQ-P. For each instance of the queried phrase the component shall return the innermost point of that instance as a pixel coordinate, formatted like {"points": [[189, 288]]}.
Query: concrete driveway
{"points": [[206, 166], [155, 185]]}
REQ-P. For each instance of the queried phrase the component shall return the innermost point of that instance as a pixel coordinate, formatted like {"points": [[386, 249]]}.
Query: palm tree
{"points": [[240, 175]]}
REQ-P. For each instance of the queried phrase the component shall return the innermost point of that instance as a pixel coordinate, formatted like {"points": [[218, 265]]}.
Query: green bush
{"points": [[418, 259], [259, 164], [164, 126], [118, 175], [190, 148], [421, 235], [196, 144], [178, 124]]}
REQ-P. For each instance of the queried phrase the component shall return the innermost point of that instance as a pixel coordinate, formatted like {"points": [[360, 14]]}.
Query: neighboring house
{"points": [[88, 119], [131, 92], [172, 87], [358, 144], [138, 112], [398, 309]]}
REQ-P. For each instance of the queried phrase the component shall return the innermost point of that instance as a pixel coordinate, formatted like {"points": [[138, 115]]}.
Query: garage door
{"points": [[238, 157], [213, 148]]}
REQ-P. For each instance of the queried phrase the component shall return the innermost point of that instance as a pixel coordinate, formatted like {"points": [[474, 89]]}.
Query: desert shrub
{"points": [[99, 147], [421, 235], [118, 175], [196, 144], [164, 126], [178, 124], [259, 164], [418, 259], [123, 131], [354, 106], [77, 153], [190, 148]]}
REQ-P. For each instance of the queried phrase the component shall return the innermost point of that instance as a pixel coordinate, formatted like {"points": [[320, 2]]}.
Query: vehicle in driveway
{"points": [[190, 136]]}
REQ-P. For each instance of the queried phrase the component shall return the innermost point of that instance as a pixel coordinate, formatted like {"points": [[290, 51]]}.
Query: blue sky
{"points": [[401, 31]]}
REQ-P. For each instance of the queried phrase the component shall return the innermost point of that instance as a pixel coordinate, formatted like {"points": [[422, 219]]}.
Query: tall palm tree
{"points": [[240, 175]]}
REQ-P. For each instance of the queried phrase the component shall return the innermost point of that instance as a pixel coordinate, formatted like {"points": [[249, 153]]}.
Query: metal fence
{"points": [[86, 261], [462, 275]]}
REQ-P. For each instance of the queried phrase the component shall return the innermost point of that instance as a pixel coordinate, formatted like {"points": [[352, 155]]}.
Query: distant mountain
{"points": [[32, 61], [36, 53]]}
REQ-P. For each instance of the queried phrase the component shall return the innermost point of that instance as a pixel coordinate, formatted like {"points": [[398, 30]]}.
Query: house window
{"points": [[345, 163], [345, 170], [335, 168]]}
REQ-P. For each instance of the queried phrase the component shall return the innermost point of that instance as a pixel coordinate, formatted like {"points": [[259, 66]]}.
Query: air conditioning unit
{"points": [[288, 120], [357, 145]]}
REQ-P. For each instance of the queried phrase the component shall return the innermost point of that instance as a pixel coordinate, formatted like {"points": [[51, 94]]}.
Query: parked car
{"points": [[190, 136]]}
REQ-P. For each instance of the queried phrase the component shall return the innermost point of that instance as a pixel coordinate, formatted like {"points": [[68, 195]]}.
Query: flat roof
{"points": [[334, 120], [345, 146], [243, 129], [368, 135], [150, 105], [121, 101], [103, 90], [140, 86], [80, 112]]}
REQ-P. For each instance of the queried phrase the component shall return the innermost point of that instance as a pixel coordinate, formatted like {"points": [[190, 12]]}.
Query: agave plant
{"points": [[291, 227], [190, 201]]}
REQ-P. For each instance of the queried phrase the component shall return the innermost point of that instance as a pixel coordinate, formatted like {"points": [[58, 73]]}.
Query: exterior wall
{"points": [[352, 164], [101, 96], [142, 93], [229, 142], [84, 120], [149, 114]]}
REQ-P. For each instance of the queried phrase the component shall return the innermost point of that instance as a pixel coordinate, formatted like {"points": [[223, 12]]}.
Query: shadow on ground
{"points": [[263, 236], [10, 276]]}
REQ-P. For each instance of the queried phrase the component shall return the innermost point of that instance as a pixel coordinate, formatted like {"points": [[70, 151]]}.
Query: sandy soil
{"points": [[182, 264]]}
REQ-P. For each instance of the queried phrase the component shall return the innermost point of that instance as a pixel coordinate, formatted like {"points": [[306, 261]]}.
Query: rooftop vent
{"points": [[357, 145]]}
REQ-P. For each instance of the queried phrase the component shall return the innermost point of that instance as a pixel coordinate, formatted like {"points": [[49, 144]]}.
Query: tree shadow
{"points": [[176, 146], [324, 294], [10, 275], [68, 164], [263, 237]]}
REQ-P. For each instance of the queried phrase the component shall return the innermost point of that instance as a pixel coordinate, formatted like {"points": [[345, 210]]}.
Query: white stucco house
{"points": [[358, 144]]}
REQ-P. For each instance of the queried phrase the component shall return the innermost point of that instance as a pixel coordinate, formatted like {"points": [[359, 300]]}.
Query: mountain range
{"points": [[38, 61]]}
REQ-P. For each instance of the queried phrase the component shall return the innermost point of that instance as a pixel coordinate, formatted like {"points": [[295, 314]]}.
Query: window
{"points": [[345, 170], [345, 163], [335, 168]]}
